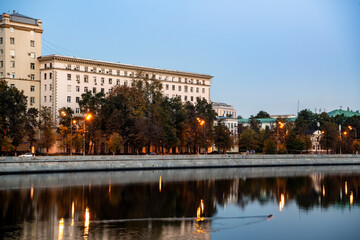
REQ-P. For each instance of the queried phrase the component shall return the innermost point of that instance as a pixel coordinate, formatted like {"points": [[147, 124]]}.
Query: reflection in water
{"points": [[61, 228], [180, 210], [87, 223]]}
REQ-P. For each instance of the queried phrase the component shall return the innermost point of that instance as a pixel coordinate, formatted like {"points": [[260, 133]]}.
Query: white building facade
{"points": [[64, 79]]}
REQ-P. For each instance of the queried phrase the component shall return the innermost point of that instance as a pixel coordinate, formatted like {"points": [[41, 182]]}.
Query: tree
{"points": [[262, 114], [13, 106], [305, 123], [223, 140], [330, 136], [356, 146], [115, 143], [46, 126], [269, 146], [294, 143], [248, 139], [31, 125]]}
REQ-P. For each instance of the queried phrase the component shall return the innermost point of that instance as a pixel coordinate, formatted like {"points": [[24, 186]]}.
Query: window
{"points": [[192, 98], [32, 55], [50, 65], [86, 68], [69, 88], [12, 53], [1, 74], [32, 100], [1, 64], [125, 83], [94, 89], [44, 76], [94, 80], [160, 77], [1, 52], [173, 87], [78, 88], [86, 78], [186, 88], [117, 81], [45, 66], [77, 99], [12, 40], [32, 66], [68, 66], [12, 85], [102, 90], [50, 75], [203, 90], [185, 98], [77, 110], [50, 87], [167, 86], [1, 40], [110, 71], [86, 89], [110, 80], [45, 87], [68, 99], [32, 76], [125, 73], [32, 43], [32, 33], [102, 81], [191, 90], [68, 76], [179, 88], [44, 98], [50, 98], [12, 75], [78, 78], [32, 88], [197, 90]]}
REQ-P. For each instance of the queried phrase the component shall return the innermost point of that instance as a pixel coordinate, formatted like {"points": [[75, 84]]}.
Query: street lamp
{"points": [[202, 123], [87, 117], [355, 132]]}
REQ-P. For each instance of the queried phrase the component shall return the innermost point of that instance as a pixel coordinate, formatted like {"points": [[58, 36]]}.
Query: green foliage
{"points": [[248, 140], [115, 143], [305, 122], [262, 114], [223, 140], [269, 146], [46, 126], [356, 146], [31, 125], [330, 136], [294, 142]]}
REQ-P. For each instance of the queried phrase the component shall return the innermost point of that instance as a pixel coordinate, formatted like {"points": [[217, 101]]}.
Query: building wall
{"points": [[17, 56], [68, 80]]}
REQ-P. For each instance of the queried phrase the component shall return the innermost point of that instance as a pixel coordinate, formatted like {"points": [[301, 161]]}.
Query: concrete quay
{"points": [[46, 164]]}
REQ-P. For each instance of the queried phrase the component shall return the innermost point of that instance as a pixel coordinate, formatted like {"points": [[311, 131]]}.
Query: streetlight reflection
{"points": [[160, 184], [87, 223], [282, 202], [72, 213], [61, 229]]}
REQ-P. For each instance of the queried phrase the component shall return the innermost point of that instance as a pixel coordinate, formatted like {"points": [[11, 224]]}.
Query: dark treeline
{"points": [[335, 134]]}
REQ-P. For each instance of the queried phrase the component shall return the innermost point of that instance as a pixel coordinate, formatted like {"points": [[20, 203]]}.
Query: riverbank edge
{"points": [[48, 164]]}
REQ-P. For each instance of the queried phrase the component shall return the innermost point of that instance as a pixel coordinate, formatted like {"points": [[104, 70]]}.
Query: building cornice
{"points": [[23, 28], [121, 65]]}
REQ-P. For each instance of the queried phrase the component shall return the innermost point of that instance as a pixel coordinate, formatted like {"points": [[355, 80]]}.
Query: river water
{"points": [[228, 203]]}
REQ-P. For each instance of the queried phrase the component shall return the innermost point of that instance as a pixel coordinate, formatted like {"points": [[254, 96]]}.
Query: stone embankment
{"points": [[11, 165]]}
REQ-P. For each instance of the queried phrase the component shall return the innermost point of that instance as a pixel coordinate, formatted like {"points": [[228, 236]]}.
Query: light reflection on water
{"points": [[203, 206]]}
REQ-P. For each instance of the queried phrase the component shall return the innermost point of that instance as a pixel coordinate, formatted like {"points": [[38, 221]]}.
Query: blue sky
{"points": [[263, 54]]}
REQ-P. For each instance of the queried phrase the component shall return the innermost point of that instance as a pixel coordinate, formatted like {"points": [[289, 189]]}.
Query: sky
{"points": [[270, 55]]}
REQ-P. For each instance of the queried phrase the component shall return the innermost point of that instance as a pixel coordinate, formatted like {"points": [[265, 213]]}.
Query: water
{"points": [[234, 203]]}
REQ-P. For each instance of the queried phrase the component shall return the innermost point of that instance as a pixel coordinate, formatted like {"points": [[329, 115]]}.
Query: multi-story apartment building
{"points": [[224, 110], [20, 46], [64, 79]]}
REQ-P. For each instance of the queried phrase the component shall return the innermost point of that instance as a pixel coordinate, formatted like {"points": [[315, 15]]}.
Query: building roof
{"points": [[347, 113], [17, 17], [220, 104], [120, 65], [265, 120]]}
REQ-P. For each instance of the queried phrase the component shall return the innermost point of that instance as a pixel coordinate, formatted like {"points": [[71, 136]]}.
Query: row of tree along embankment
{"points": [[10, 165]]}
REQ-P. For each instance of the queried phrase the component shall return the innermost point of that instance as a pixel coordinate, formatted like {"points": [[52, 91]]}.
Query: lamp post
{"points": [[202, 123], [355, 132], [88, 116]]}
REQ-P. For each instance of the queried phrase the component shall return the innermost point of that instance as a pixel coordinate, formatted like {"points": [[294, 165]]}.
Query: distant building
{"points": [[264, 122], [347, 113], [224, 110], [20, 45]]}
